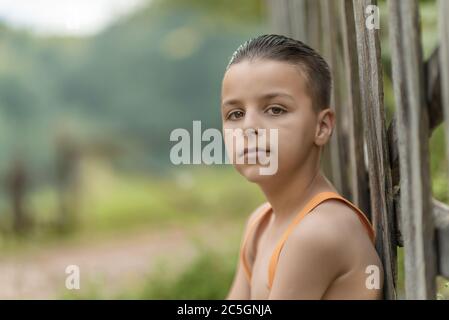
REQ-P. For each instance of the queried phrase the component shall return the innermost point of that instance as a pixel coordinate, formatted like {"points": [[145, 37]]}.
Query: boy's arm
{"points": [[312, 258], [240, 289]]}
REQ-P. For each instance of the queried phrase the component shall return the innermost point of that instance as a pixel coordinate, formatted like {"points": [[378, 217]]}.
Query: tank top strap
{"points": [[315, 201], [251, 228]]}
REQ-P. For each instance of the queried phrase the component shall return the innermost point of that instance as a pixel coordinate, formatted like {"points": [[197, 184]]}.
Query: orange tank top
{"points": [[315, 201]]}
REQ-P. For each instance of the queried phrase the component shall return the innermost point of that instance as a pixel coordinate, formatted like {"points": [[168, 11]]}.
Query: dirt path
{"points": [[113, 264]]}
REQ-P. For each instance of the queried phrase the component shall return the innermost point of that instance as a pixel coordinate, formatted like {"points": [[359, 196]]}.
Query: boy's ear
{"points": [[325, 126]]}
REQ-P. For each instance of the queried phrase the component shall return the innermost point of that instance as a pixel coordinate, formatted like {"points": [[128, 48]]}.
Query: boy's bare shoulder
{"points": [[256, 212], [337, 217], [333, 226], [251, 219], [330, 243]]}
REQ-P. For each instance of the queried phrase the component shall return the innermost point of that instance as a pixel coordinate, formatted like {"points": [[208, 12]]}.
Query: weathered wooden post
{"points": [[373, 113], [413, 133]]}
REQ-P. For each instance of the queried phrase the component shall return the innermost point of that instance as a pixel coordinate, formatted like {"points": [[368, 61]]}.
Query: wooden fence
{"points": [[385, 170]]}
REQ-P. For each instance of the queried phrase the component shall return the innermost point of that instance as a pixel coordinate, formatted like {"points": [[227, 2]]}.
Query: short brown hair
{"points": [[282, 48]]}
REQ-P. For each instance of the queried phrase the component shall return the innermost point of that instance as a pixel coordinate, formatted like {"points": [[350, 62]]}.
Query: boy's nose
{"points": [[251, 123], [250, 131]]}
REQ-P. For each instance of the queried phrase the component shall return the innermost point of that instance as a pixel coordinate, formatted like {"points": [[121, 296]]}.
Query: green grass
{"points": [[208, 277], [108, 203], [124, 201]]}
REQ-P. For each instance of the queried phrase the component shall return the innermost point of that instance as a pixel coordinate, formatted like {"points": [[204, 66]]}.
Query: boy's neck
{"points": [[289, 196]]}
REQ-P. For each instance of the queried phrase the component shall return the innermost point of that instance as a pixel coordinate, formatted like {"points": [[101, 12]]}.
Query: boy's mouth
{"points": [[253, 150]]}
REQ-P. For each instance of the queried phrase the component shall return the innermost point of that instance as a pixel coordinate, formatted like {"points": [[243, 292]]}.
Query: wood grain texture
{"points": [[357, 164], [413, 140], [373, 113]]}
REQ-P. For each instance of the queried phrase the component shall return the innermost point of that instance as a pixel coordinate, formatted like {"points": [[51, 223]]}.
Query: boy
{"points": [[306, 242]]}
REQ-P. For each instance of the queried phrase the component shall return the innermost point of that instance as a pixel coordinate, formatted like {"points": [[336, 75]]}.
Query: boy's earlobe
{"points": [[322, 137]]}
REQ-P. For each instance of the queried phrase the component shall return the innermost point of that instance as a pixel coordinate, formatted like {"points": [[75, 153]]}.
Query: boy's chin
{"points": [[253, 173]]}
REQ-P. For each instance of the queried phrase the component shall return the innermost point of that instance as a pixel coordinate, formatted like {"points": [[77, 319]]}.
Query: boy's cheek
{"points": [[291, 148], [233, 147]]}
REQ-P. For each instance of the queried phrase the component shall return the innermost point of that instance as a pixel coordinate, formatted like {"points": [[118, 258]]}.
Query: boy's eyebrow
{"points": [[276, 94], [263, 97]]}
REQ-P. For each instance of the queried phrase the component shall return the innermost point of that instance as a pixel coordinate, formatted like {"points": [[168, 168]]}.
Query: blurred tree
{"points": [[67, 159], [17, 181]]}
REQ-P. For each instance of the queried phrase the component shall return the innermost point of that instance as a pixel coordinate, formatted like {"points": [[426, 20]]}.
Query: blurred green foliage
{"points": [[132, 84], [209, 277], [118, 202]]}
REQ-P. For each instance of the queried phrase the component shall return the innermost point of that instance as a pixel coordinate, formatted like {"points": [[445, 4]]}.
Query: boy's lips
{"points": [[253, 150]]}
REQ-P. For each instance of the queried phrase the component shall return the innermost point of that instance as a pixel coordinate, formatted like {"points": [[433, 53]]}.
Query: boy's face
{"points": [[269, 94]]}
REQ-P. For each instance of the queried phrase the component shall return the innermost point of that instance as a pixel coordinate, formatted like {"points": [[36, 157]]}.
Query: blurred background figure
{"points": [[16, 185]]}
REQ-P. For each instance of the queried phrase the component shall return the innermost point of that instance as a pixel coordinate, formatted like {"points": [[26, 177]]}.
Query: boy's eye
{"points": [[275, 111], [235, 115]]}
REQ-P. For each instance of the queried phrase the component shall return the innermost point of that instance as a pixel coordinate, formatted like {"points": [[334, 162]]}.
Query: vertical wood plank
{"points": [[359, 174], [413, 133], [313, 24], [371, 88], [315, 40], [443, 6], [344, 130], [288, 17], [279, 16], [297, 10], [328, 50], [443, 228]]}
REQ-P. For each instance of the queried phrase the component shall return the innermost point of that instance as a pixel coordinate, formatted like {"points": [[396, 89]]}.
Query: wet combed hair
{"points": [[285, 49]]}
